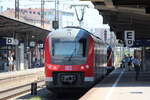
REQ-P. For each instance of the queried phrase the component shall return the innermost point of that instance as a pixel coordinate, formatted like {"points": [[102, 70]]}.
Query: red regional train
{"points": [[74, 58]]}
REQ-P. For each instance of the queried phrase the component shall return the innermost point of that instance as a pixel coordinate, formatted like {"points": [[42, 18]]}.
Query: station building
{"points": [[23, 38], [33, 16], [24, 42]]}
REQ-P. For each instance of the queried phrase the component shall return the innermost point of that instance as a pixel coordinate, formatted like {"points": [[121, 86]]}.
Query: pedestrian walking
{"points": [[129, 63], [10, 63], [136, 61], [126, 60], [122, 63]]}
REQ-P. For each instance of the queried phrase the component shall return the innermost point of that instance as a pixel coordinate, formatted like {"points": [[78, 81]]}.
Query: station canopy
{"points": [[14, 28], [124, 15]]}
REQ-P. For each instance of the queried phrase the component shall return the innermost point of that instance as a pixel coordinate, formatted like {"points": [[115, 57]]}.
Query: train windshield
{"points": [[68, 49], [69, 52]]}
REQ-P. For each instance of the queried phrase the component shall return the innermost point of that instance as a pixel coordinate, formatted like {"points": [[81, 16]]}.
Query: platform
{"points": [[121, 85], [5, 75], [9, 80]]}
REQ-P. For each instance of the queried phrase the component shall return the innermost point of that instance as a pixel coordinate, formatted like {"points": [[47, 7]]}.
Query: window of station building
{"points": [[45, 13], [8, 8], [38, 13], [21, 10], [34, 12]]}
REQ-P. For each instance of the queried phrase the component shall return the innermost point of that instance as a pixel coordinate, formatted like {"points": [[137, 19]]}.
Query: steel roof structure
{"points": [[14, 28], [124, 15]]}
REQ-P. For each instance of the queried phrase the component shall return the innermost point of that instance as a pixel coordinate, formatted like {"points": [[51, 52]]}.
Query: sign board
{"points": [[11, 41], [40, 45], [32, 44], [129, 37], [16, 42], [55, 24]]}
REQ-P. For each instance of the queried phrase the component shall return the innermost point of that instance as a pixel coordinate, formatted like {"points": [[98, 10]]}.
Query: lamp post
{"points": [[55, 22], [17, 9], [42, 13]]}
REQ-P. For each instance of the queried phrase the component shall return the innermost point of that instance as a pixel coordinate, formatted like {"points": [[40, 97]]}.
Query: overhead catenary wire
{"points": [[46, 0], [36, 3]]}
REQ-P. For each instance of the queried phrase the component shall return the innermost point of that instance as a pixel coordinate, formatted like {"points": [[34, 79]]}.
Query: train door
{"points": [[95, 61], [110, 59]]}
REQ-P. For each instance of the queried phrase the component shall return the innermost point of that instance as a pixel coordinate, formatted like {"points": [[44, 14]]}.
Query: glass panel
{"points": [[68, 52], [68, 49]]}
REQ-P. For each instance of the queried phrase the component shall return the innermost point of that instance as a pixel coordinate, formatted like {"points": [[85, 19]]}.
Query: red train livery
{"points": [[74, 58]]}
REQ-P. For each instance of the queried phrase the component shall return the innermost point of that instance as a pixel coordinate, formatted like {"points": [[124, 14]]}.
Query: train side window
{"points": [[83, 41], [53, 50]]}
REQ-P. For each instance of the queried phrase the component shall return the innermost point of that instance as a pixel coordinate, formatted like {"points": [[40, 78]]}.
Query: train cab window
{"points": [[67, 48], [69, 52]]}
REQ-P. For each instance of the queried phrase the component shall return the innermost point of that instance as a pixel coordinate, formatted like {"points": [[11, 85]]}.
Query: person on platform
{"points": [[136, 61], [130, 62], [125, 60], [10, 63]]}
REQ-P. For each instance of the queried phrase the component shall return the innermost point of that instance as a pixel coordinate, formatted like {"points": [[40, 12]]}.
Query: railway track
{"points": [[15, 80], [13, 92]]}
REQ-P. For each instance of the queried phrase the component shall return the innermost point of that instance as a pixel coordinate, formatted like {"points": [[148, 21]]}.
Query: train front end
{"points": [[68, 59]]}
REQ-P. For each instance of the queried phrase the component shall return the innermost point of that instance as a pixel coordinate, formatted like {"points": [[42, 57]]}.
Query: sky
{"points": [[91, 17]]}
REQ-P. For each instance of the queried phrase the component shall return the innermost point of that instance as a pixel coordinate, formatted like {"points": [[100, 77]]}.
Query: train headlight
{"points": [[87, 66], [82, 67], [54, 67]]}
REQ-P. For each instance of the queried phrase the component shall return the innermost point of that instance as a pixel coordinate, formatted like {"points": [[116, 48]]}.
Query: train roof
{"points": [[72, 32]]}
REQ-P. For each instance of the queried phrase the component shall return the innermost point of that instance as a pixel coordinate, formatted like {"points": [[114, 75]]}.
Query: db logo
{"points": [[9, 41], [129, 37], [68, 67]]}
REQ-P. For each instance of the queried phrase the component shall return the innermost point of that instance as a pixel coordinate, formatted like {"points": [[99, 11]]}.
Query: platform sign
{"points": [[129, 37], [16, 41], [32, 44], [9, 41]]}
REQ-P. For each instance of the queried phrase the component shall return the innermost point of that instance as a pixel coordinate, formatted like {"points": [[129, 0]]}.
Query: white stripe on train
{"points": [[86, 79]]}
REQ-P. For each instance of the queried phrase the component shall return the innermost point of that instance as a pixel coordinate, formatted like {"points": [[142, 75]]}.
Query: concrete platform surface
{"points": [[121, 85]]}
